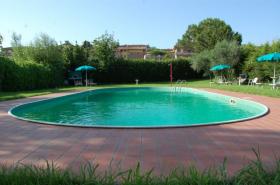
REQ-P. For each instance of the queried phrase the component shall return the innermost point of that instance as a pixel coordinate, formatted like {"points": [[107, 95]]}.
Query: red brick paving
{"points": [[161, 149]]}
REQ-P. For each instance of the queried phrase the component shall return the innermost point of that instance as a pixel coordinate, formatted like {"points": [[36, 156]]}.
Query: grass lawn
{"points": [[264, 90], [25, 94]]}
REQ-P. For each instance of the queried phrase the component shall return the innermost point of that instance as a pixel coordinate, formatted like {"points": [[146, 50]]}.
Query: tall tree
{"points": [[86, 46], [75, 55], [67, 54], [79, 56], [43, 50], [1, 40], [201, 62], [16, 40], [251, 52], [18, 50], [46, 51], [224, 52], [104, 49], [206, 34]]}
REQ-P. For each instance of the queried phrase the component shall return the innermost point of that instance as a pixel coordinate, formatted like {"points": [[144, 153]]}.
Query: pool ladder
{"points": [[178, 85]]}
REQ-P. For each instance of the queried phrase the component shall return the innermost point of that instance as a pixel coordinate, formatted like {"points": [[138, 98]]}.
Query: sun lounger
{"points": [[220, 80], [90, 82], [78, 83]]}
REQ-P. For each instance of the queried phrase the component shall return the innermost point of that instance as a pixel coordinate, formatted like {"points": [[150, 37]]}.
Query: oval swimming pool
{"points": [[140, 107]]}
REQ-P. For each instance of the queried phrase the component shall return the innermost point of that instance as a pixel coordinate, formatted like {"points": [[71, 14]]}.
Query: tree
{"points": [[87, 47], [79, 56], [206, 34], [250, 53], [275, 46], [224, 52], [201, 62], [104, 49], [18, 50], [1, 40], [75, 55], [45, 50], [67, 54], [86, 44], [16, 40]]}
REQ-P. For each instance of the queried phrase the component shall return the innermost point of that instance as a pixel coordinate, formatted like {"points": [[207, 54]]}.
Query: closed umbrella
{"points": [[85, 68], [271, 57]]}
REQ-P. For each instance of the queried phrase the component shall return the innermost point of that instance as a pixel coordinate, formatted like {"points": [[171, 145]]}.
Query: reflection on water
{"points": [[138, 107]]}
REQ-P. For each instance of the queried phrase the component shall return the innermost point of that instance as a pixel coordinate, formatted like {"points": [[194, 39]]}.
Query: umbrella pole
{"points": [[86, 78], [274, 74], [274, 77], [274, 70]]}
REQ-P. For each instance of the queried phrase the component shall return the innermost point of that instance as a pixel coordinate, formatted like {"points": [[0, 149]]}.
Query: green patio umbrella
{"points": [[219, 67], [85, 68], [271, 57]]}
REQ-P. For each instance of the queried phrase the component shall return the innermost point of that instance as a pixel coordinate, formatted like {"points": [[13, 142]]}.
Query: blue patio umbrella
{"points": [[271, 57], [219, 67], [85, 68]]}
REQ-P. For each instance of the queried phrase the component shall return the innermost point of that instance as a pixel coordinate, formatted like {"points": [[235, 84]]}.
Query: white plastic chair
{"points": [[254, 81]]}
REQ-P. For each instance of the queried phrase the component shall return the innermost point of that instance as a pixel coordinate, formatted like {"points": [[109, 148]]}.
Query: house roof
{"points": [[133, 47]]}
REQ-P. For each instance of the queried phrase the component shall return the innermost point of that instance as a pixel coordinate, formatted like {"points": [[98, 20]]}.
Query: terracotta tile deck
{"points": [[161, 149]]}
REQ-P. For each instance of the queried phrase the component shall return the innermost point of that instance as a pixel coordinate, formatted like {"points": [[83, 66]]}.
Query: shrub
{"points": [[26, 75], [262, 70]]}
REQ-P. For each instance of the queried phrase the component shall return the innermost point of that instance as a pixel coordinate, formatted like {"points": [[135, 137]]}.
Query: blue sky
{"points": [[158, 23]]}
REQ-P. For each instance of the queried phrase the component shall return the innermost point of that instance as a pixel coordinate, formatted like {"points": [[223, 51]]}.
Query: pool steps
{"points": [[178, 85]]}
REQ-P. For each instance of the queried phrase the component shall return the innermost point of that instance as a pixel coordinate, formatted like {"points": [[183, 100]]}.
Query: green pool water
{"points": [[140, 107]]}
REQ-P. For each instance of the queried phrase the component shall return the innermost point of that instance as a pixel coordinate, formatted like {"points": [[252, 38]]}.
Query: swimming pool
{"points": [[144, 107]]}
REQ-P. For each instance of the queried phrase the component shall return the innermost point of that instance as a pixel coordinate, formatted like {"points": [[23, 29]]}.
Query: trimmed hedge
{"points": [[126, 71], [27, 75]]}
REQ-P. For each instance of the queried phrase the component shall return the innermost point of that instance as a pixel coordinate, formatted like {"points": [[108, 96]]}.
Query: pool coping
{"points": [[265, 112]]}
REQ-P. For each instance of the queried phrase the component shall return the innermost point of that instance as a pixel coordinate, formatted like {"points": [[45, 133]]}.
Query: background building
{"points": [[8, 52], [132, 51]]}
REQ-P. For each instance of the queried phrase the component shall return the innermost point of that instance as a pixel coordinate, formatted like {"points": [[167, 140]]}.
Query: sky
{"points": [[159, 23]]}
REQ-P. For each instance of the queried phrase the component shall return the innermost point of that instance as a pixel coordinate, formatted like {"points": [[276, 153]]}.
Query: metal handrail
{"points": [[178, 85]]}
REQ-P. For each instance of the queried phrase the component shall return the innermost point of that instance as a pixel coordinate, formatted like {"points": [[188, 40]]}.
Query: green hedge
{"points": [[126, 71], [26, 75], [29, 75]]}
